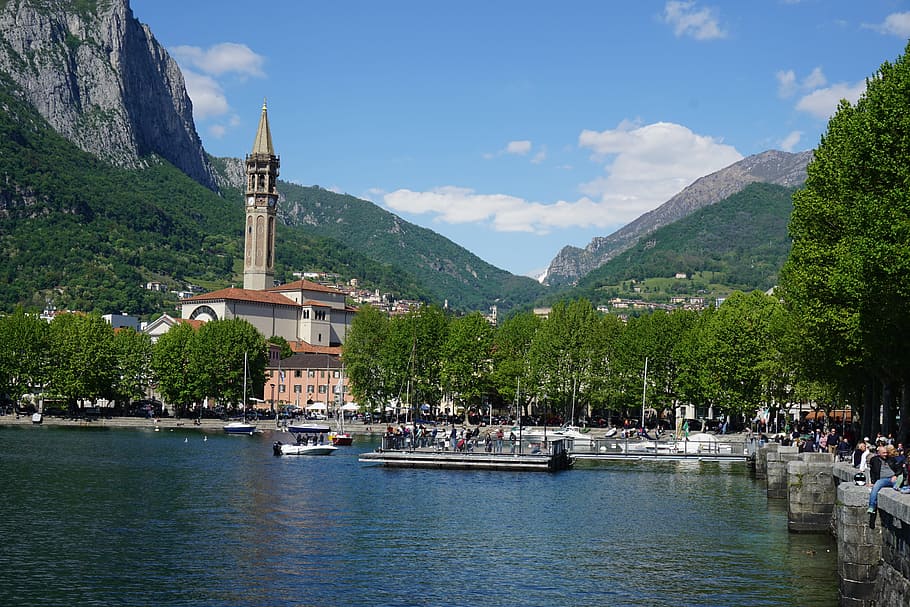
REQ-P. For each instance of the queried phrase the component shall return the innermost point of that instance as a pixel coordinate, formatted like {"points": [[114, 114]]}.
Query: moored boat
{"points": [[310, 439], [238, 428], [341, 438]]}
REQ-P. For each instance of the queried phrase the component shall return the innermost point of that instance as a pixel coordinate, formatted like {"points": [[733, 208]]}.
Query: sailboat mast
{"points": [[644, 389]]}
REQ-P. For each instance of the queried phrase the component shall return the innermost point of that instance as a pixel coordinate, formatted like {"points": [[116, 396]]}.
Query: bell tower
{"points": [[261, 206]]}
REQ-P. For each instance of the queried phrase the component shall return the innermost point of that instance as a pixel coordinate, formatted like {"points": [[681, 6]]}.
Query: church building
{"points": [[308, 315]]}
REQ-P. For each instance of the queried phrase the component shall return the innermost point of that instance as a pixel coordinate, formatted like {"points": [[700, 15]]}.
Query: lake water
{"points": [[135, 517]]}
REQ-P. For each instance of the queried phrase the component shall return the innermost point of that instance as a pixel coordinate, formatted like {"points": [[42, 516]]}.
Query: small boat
{"points": [[308, 429], [341, 438], [309, 441], [611, 431], [36, 418], [241, 427], [238, 428]]}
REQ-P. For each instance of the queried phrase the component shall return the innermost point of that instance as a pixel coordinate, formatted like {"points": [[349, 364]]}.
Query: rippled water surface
{"points": [[134, 517]]}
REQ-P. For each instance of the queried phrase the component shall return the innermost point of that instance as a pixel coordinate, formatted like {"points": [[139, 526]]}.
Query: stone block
{"points": [[863, 591], [817, 458], [853, 495]]}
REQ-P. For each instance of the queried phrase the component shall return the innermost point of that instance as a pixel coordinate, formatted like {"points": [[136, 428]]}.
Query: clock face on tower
{"points": [[250, 200]]}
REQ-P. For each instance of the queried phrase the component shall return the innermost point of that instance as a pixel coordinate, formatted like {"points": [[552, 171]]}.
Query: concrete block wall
{"points": [[761, 459], [811, 493], [893, 523], [776, 465], [859, 548]]}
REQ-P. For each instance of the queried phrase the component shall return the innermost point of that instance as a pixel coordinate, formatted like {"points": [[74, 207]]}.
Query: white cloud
{"points": [[520, 148], [540, 156], [791, 140], [217, 130], [895, 24], [647, 166], [686, 20], [207, 95], [221, 59], [822, 103], [788, 85]]}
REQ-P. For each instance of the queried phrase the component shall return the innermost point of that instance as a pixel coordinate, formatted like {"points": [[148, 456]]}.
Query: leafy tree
{"points": [[735, 351], [282, 343], [363, 357], [171, 367], [466, 359], [133, 355], [561, 353], [23, 353], [848, 276], [83, 360], [511, 368], [221, 351]]}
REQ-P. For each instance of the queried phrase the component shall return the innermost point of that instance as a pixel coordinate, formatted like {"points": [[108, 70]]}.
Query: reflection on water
{"points": [[133, 517]]}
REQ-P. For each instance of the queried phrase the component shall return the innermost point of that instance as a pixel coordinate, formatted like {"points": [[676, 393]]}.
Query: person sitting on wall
{"points": [[883, 472]]}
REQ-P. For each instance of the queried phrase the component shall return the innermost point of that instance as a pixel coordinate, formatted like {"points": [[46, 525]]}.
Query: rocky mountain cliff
{"points": [[774, 167], [100, 78]]}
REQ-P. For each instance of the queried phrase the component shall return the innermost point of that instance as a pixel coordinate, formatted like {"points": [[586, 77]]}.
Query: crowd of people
{"points": [[881, 464]]}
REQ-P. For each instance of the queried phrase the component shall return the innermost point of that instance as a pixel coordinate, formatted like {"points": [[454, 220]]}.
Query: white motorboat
{"points": [[310, 440], [238, 428], [279, 448]]}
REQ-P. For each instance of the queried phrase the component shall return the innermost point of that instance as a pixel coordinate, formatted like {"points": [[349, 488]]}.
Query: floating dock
{"points": [[553, 458]]}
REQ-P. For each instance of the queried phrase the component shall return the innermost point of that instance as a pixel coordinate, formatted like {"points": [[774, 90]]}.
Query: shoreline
{"points": [[216, 425]]}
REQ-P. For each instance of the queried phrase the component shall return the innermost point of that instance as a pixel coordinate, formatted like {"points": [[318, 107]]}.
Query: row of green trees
{"points": [[578, 361], [847, 281], [81, 359]]}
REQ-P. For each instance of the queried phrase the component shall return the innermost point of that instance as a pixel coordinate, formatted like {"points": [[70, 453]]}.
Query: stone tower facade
{"points": [[261, 208]]}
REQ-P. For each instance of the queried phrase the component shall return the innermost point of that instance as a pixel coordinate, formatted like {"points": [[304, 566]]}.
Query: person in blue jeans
{"points": [[883, 469]]}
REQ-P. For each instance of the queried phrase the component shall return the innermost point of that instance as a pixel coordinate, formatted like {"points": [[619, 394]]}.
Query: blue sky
{"points": [[516, 128]]}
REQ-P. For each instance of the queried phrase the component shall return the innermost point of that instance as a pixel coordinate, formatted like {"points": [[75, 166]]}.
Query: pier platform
{"points": [[553, 458]]}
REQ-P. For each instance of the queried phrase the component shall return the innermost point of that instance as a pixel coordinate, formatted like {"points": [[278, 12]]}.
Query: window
{"points": [[310, 373], [309, 389], [297, 373], [322, 389], [306, 315], [336, 374], [297, 389], [281, 388]]}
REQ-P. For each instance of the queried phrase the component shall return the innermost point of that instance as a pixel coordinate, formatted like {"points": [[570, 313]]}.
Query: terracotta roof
{"points": [[234, 294], [191, 322], [302, 346], [304, 285]]}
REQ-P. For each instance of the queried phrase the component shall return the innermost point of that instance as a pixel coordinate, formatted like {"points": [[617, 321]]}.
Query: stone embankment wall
{"points": [[873, 562]]}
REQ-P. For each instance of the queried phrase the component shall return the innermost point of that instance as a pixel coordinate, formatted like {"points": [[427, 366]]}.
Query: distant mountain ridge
{"points": [[101, 80], [774, 167]]}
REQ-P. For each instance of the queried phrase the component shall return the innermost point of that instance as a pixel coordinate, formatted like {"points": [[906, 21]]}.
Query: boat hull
{"points": [[279, 448], [239, 428], [342, 440]]}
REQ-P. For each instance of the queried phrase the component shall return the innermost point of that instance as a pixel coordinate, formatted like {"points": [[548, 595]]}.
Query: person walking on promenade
{"points": [[499, 437]]}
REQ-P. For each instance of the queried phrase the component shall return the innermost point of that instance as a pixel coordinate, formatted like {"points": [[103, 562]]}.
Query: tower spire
{"points": [[263, 142]]}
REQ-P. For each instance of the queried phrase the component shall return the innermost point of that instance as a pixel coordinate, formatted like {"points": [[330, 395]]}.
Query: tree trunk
{"points": [[870, 410], [887, 408]]}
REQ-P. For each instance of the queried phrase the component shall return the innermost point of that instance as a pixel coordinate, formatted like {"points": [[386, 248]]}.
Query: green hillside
{"points": [[446, 270], [84, 235], [737, 244]]}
